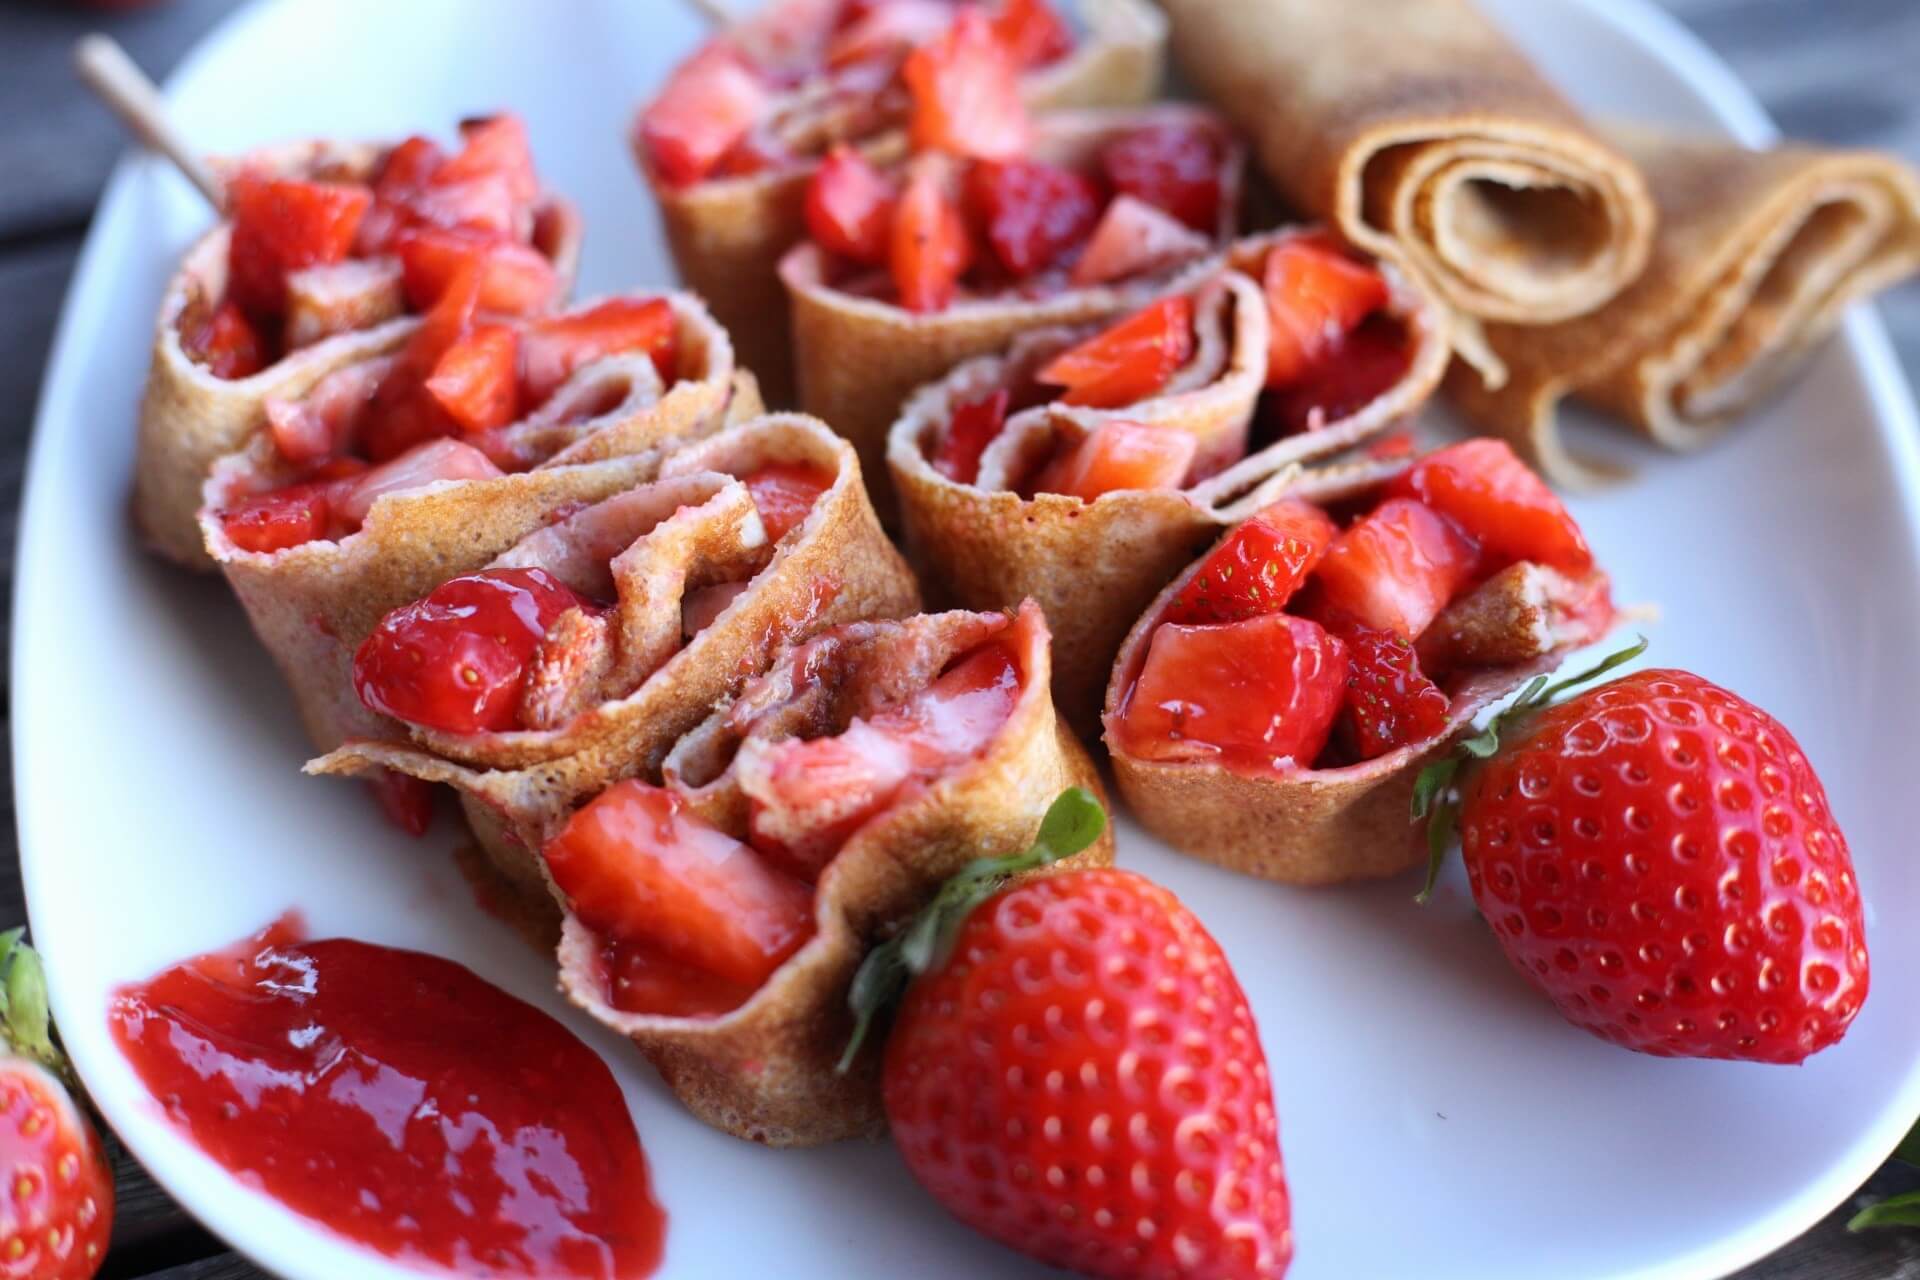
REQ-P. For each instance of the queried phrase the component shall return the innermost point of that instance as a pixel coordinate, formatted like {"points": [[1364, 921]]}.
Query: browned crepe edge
{"points": [[1093, 567], [1341, 101], [189, 418], [1727, 217], [727, 236]]}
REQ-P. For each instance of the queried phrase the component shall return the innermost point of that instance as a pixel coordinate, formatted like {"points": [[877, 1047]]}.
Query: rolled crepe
{"points": [[189, 418], [858, 358], [1093, 567], [313, 604], [1758, 256], [727, 235], [1309, 826], [684, 524], [1418, 131]]}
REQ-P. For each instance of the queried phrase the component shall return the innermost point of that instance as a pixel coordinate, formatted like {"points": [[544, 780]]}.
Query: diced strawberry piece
{"points": [[785, 492], [1032, 213], [494, 146], [1390, 702], [475, 381], [515, 279], [274, 521], [850, 207], [1120, 455], [1257, 567], [965, 87], [409, 166], [1135, 239], [553, 348], [1316, 296], [404, 799], [755, 153], [884, 32], [709, 105], [223, 340], [1484, 486], [930, 249], [1172, 167], [281, 225], [637, 867], [484, 204], [1129, 361], [319, 425], [342, 297], [1033, 32], [456, 659], [1356, 372], [424, 464], [402, 413], [641, 979], [1260, 693], [973, 426], [1396, 568]]}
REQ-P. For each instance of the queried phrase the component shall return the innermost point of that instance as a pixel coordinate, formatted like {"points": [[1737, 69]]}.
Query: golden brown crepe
{"points": [[1418, 131], [189, 418], [858, 358], [727, 235], [1326, 826], [1759, 253], [1094, 566]]}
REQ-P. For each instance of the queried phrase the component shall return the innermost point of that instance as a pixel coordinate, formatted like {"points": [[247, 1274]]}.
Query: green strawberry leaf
{"points": [[1895, 1211], [1909, 1148], [1073, 822]]}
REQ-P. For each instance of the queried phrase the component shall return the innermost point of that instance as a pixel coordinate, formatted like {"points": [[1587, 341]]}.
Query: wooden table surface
{"points": [[1834, 71]]}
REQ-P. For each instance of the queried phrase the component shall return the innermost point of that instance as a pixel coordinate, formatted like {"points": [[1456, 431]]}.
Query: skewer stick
{"points": [[716, 12], [125, 88]]}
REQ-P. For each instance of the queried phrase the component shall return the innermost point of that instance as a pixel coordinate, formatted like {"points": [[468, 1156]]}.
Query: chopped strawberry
{"points": [[1316, 296], [1397, 567], [475, 381], [321, 423], [406, 801], [1128, 361], [966, 93], [553, 348], [1173, 167], [972, 426], [1259, 693], [784, 492], [270, 522], [409, 166], [281, 225], [1135, 239], [402, 414], [424, 464], [1033, 32], [1031, 213], [1390, 702], [1120, 455], [515, 278], [709, 105], [1498, 500], [483, 204], [1348, 378], [642, 979], [884, 32], [494, 145], [637, 867], [930, 249], [223, 340], [1257, 567], [456, 660], [342, 297], [850, 207]]}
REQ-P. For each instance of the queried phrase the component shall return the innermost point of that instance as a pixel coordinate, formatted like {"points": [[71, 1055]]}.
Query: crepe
{"points": [[1330, 826], [189, 418], [1094, 566], [727, 235], [1758, 256], [1421, 134]]}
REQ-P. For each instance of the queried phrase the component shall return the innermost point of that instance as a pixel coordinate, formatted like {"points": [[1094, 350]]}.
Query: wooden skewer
{"points": [[109, 72], [714, 11]]}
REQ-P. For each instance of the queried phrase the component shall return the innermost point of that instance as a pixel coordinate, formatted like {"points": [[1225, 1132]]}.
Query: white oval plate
{"points": [[1438, 1118]]}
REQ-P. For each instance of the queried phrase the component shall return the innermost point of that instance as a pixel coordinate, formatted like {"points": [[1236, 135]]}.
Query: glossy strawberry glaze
{"points": [[400, 1100]]}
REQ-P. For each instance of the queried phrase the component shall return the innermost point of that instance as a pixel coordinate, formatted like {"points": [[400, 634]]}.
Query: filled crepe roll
{"points": [[636, 614], [1085, 467], [326, 250], [1273, 708], [911, 271], [729, 144], [1419, 132], [1759, 254]]}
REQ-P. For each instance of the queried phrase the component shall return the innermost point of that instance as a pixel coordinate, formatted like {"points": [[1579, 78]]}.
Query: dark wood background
{"points": [[1835, 71]]}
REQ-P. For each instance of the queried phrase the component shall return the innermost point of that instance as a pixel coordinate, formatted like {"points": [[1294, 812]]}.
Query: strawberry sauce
{"points": [[401, 1100]]}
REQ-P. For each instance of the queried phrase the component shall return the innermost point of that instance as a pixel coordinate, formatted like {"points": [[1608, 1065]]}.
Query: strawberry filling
{"points": [[453, 404], [309, 258], [1310, 638]]}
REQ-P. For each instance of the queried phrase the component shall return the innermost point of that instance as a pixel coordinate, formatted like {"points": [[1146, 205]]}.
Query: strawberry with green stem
{"points": [[1894, 1211]]}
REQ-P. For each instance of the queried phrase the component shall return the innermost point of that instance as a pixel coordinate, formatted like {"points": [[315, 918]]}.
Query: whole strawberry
{"points": [[57, 1208], [1658, 857], [1077, 1075]]}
